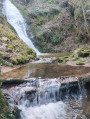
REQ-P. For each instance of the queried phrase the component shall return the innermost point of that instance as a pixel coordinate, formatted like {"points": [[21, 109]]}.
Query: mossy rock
{"points": [[14, 61], [72, 55], [5, 55], [11, 36], [5, 112], [17, 113], [61, 59], [6, 63], [75, 58], [31, 52], [83, 53], [80, 62]]}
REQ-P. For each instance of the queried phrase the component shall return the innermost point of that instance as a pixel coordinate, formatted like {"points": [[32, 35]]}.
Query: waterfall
{"points": [[49, 111], [15, 18], [47, 98]]}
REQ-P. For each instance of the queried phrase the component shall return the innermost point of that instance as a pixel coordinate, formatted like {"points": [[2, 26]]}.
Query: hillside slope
{"points": [[53, 24], [12, 49]]}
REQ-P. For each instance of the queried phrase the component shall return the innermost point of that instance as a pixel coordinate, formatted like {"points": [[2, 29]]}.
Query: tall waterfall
{"points": [[15, 18]]}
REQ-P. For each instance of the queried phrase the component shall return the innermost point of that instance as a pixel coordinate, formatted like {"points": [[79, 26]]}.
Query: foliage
{"points": [[5, 112]]}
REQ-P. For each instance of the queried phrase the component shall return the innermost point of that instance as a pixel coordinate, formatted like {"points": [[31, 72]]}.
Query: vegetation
{"points": [[13, 50], [5, 112], [61, 59], [56, 25], [79, 57], [80, 62], [79, 13]]}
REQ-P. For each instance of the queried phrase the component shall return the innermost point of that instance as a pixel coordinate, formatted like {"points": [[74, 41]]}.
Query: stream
{"points": [[53, 91]]}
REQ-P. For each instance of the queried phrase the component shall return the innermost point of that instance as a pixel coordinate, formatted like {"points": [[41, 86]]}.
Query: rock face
{"points": [[16, 112]]}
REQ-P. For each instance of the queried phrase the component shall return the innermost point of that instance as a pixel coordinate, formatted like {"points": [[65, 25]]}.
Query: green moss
{"points": [[12, 46], [21, 59], [83, 53], [10, 36], [72, 55], [80, 62], [14, 61], [76, 58], [31, 52], [5, 112], [6, 63], [61, 59]]}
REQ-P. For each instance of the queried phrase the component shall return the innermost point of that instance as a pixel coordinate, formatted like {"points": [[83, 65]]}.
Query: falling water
{"points": [[42, 98], [15, 18]]}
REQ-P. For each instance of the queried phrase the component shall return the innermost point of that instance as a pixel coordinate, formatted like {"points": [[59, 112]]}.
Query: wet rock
{"points": [[16, 112], [31, 91], [13, 81], [83, 53]]}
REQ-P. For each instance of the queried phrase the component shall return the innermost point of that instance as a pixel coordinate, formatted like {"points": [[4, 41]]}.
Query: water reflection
{"points": [[47, 70]]}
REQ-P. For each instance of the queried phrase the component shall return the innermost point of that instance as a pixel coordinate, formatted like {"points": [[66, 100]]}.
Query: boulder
{"points": [[83, 53]]}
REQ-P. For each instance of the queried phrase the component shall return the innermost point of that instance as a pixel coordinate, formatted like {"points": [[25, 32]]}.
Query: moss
{"points": [[6, 63], [80, 62], [31, 52], [61, 59], [72, 55], [15, 50], [11, 46], [21, 59], [83, 53], [10, 36], [14, 61], [76, 58], [5, 112]]}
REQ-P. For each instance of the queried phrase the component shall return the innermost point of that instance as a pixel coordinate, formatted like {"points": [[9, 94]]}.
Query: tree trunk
{"points": [[85, 17]]}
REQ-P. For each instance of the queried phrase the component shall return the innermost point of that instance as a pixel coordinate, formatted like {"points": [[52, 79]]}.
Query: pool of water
{"points": [[47, 70]]}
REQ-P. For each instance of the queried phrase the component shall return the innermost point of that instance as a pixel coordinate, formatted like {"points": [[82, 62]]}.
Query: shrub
{"points": [[56, 39], [14, 61], [54, 11], [31, 52]]}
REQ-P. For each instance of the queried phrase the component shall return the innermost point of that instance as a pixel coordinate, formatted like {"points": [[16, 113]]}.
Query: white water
{"points": [[15, 18], [41, 99], [49, 111]]}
